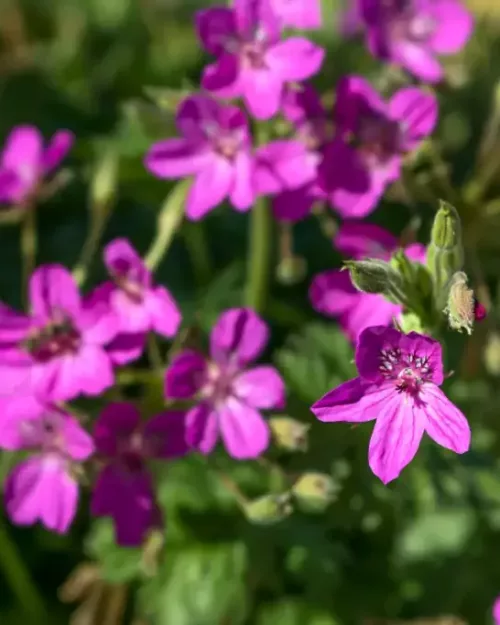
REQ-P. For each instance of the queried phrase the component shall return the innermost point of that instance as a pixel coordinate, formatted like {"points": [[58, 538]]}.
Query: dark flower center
{"points": [[128, 279], [377, 138], [253, 52], [225, 142], [56, 339], [408, 370], [219, 383]]}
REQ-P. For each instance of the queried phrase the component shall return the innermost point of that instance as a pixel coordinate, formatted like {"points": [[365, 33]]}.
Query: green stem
{"points": [[28, 246], [199, 251], [259, 257], [18, 578]]}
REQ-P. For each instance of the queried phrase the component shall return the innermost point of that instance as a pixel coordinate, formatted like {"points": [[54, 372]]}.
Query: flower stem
{"points": [[259, 257], [28, 246], [199, 251], [19, 579]]}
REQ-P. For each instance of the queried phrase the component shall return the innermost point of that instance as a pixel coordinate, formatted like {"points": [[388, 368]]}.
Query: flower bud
{"points": [[376, 276], [410, 322], [461, 304], [289, 434], [445, 255], [492, 354], [315, 491], [269, 509], [291, 270]]}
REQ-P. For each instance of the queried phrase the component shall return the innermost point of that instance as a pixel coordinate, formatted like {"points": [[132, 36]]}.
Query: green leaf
{"points": [[201, 585], [118, 564], [317, 359], [293, 612]]}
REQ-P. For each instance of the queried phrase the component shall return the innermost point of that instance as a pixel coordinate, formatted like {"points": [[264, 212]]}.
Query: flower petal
{"points": [[244, 431], [122, 260], [369, 310], [445, 423], [22, 153], [260, 387], [210, 187], [418, 60], [242, 194], [202, 428], [300, 14], [52, 291], [353, 401], [175, 158], [117, 421], [332, 293], [454, 26], [262, 90], [126, 348], [59, 146], [223, 78], [396, 437], [165, 435], [361, 240], [15, 413], [215, 27], [185, 375], [417, 110], [294, 205], [238, 331], [295, 59], [165, 316], [78, 444]]}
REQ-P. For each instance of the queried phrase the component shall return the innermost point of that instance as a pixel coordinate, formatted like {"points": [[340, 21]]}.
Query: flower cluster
{"points": [[68, 344]]}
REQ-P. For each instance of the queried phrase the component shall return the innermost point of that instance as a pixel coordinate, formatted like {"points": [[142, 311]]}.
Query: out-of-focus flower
{"points": [[58, 351], [332, 292], [302, 14], [371, 139], [496, 611], [398, 385], [138, 305], [25, 162], [124, 488], [229, 396], [43, 487], [214, 147], [288, 168], [351, 19], [252, 61], [412, 33]]}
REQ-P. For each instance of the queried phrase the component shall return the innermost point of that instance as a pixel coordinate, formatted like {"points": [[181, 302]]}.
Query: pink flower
{"points": [[215, 148], [25, 162], [332, 292], [43, 487], [301, 14], [138, 306], [412, 33], [496, 611], [124, 488], [229, 396], [398, 385], [252, 62], [288, 168], [372, 138], [58, 351]]}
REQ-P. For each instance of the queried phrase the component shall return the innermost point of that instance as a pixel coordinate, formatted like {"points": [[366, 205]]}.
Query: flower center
{"points": [[253, 53], [225, 142], [408, 370], [129, 280], [56, 339], [377, 138], [405, 22], [218, 384]]}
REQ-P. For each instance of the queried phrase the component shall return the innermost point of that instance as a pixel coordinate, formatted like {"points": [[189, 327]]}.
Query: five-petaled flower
{"points": [[215, 148], [252, 62], [124, 488], [398, 385], [136, 303], [412, 33], [371, 139], [58, 350], [43, 487], [25, 162], [332, 292], [229, 396]]}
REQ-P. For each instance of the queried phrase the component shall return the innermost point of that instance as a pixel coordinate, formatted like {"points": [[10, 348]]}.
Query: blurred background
{"points": [[427, 547]]}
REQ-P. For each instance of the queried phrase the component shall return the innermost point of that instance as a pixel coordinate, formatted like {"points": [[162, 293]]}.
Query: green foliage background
{"points": [[427, 545]]}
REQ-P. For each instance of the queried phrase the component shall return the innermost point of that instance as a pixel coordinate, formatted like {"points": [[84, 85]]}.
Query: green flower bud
{"points": [[460, 307], [315, 491], [289, 434], [492, 354], [445, 254], [291, 270], [404, 267], [269, 509], [377, 276], [410, 322]]}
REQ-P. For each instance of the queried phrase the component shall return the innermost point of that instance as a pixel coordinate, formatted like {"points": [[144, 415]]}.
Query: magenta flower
{"points": [[496, 611], [288, 168], [398, 385], [302, 14], [43, 487], [229, 396], [252, 62], [372, 138], [137, 304], [332, 292], [58, 351], [25, 162], [412, 33], [124, 488], [215, 148]]}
